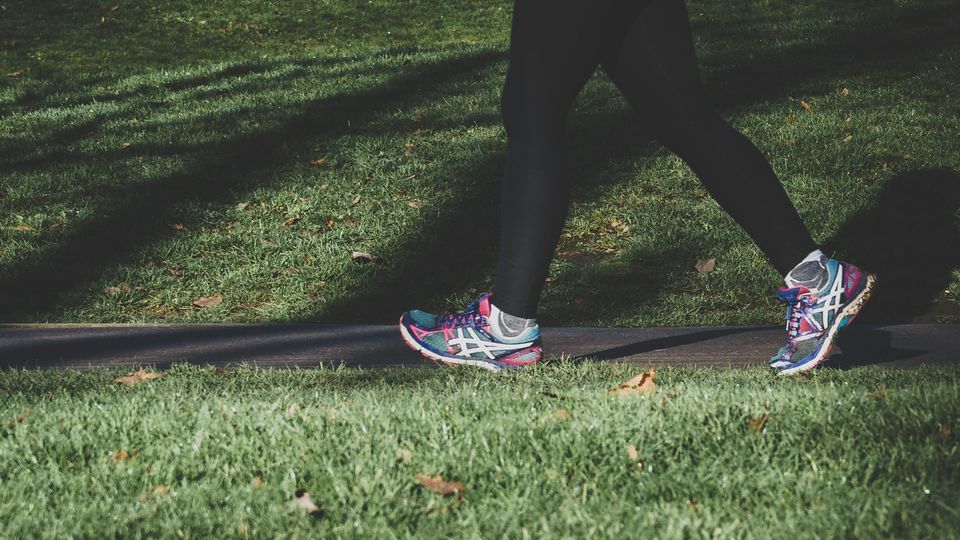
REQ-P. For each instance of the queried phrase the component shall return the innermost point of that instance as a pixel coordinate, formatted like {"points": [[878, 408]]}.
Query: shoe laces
{"points": [[469, 317], [800, 311]]}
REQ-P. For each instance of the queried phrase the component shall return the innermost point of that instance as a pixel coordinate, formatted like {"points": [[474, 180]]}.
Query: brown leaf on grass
{"points": [[175, 272], [362, 257], [438, 484], [705, 265], [303, 501], [120, 455], [355, 200], [641, 384], [562, 414], [789, 142], [318, 162], [692, 503], [414, 204], [208, 301], [23, 228], [243, 207], [757, 424], [177, 227], [848, 138], [880, 393], [845, 92], [632, 452], [139, 376], [329, 223], [15, 73], [291, 411], [291, 220], [158, 491], [943, 430], [258, 481], [121, 287], [404, 455], [806, 106], [18, 419]]}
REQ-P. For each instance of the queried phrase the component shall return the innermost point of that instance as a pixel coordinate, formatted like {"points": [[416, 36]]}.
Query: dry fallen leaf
{"points": [[161, 490], [414, 204], [805, 105], [208, 301], [562, 414], [355, 200], [303, 501], [641, 384], [790, 142], [845, 92], [848, 138], [404, 455], [16, 420], [291, 220], [23, 228], [258, 482], [692, 503], [329, 223], [138, 376], [120, 455], [319, 162], [121, 287], [291, 410], [879, 394], [632, 452], [438, 484], [756, 424], [705, 265], [243, 207], [943, 430], [362, 257], [177, 227]]}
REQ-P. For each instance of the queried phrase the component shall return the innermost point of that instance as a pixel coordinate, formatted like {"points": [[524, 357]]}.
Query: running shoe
{"points": [[815, 317], [464, 339]]}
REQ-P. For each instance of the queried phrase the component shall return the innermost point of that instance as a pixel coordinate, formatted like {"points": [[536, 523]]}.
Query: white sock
{"points": [[505, 327]]}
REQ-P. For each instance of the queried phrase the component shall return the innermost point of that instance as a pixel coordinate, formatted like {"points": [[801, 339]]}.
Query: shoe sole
{"points": [[846, 316], [489, 365]]}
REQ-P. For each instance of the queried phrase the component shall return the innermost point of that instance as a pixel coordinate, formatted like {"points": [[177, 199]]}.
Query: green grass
{"points": [[152, 153], [542, 453]]}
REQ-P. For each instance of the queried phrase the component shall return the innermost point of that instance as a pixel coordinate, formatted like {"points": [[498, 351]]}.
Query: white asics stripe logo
{"points": [[473, 343], [831, 303]]}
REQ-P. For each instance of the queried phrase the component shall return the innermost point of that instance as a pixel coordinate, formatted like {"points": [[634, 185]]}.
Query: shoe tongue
{"points": [[484, 305], [791, 295]]}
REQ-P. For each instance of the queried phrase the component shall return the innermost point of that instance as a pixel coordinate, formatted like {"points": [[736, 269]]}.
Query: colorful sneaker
{"points": [[465, 339], [815, 317]]}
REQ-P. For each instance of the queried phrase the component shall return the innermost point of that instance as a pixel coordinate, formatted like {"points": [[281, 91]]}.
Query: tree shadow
{"points": [[35, 284]]}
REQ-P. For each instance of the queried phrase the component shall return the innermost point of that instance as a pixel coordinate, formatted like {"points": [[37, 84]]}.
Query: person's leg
{"points": [[555, 46], [655, 67]]}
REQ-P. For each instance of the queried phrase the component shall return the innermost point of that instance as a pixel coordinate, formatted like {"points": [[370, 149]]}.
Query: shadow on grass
{"points": [[910, 238], [36, 284]]}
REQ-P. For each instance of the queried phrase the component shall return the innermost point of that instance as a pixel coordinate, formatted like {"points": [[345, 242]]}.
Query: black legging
{"points": [[646, 49]]}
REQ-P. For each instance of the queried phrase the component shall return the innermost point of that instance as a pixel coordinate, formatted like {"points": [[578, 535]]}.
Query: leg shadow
{"points": [[911, 240]]}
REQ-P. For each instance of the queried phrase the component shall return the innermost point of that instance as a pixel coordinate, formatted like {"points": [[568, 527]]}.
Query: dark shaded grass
{"points": [[138, 163]]}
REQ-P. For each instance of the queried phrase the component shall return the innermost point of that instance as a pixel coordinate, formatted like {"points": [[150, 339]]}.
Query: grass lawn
{"points": [[547, 452], [155, 153]]}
